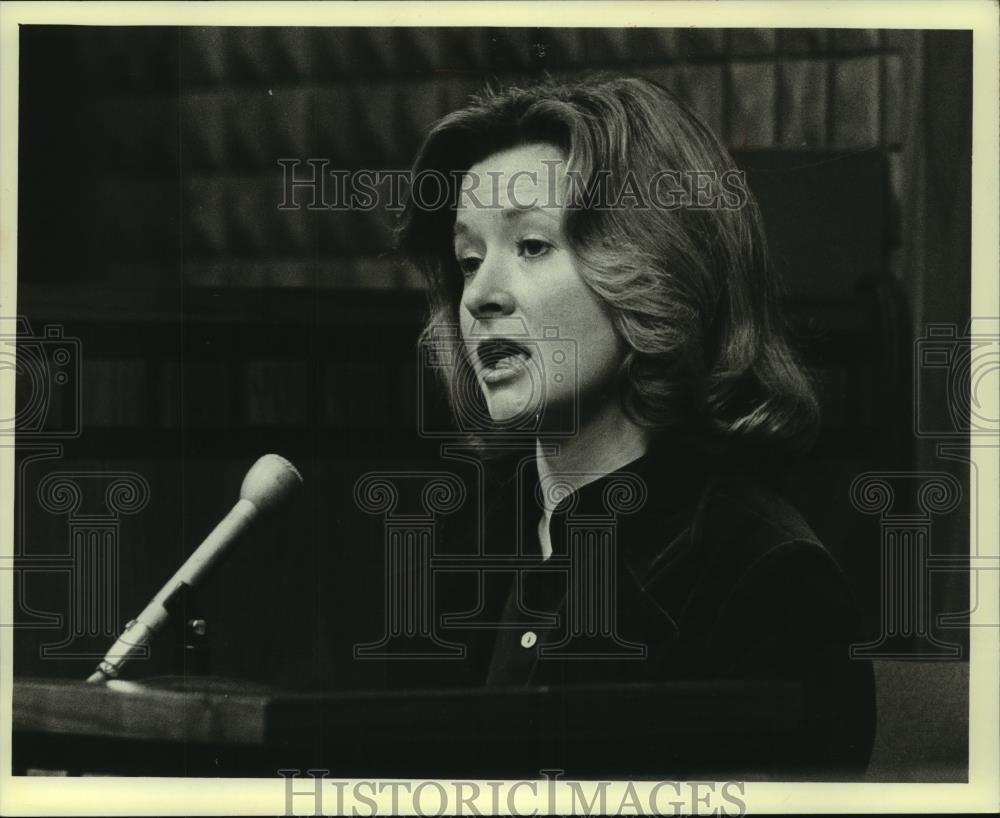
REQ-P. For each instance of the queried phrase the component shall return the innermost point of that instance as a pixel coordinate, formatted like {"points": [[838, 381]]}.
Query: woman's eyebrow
{"points": [[511, 213], [508, 214]]}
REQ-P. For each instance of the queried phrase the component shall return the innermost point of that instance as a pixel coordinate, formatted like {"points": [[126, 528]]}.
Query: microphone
{"points": [[268, 483]]}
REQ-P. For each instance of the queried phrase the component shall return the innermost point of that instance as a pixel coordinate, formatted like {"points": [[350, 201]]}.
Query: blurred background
{"points": [[205, 326]]}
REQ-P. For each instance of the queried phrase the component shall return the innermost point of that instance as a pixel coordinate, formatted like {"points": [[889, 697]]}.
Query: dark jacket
{"points": [[699, 573]]}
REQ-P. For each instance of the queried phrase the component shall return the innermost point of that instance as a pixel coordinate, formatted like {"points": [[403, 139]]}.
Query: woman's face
{"points": [[536, 335]]}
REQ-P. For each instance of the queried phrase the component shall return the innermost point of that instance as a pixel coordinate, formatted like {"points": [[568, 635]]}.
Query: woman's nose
{"points": [[488, 293]]}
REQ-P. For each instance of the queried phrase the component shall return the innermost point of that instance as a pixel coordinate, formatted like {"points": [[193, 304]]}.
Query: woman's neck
{"points": [[601, 446]]}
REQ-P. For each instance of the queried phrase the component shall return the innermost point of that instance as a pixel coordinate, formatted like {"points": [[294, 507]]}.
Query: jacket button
{"points": [[528, 639]]}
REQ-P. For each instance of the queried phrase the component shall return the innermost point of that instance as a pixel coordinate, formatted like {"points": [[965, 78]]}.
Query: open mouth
{"points": [[500, 357]]}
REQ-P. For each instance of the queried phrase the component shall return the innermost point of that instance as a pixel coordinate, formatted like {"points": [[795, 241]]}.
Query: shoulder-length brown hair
{"points": [[689, 288]]}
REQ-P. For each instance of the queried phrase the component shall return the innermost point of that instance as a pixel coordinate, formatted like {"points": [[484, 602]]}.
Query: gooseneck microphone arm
{"points": [[270, 481]]}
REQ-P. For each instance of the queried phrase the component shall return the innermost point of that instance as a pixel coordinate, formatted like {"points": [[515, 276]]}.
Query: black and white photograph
{"points": [[419, 409]]}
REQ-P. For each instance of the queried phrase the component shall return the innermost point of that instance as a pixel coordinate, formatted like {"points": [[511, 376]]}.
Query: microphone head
{"points": [[270, 481]]}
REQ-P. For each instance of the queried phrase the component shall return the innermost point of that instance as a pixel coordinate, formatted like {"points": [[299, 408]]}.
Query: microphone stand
{"points": [[192, 655]]}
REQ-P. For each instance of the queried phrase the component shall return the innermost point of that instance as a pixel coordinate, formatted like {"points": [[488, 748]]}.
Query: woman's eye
{"points": [[469, 265], [533, 248]]}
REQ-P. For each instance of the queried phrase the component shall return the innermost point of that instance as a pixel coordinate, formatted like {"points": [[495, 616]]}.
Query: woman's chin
{"points": [[509, 410]]}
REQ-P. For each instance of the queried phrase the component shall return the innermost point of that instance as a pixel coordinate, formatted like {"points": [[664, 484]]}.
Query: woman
{"points": [[605, 268]]}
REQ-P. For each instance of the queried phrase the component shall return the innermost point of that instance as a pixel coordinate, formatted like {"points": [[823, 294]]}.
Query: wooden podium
{"points": [[205, 727]]}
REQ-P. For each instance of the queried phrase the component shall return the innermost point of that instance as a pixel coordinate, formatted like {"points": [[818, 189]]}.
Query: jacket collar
{"points": [[649, 501]]}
